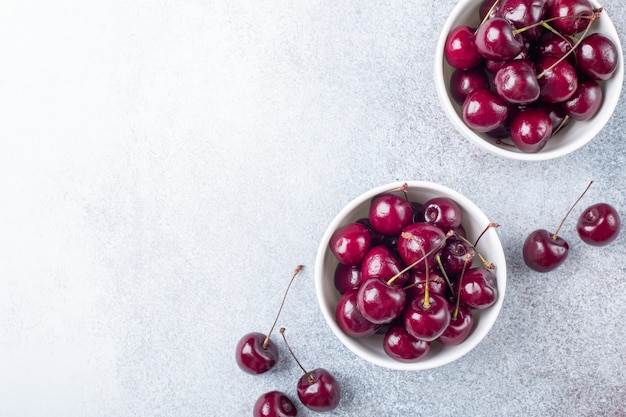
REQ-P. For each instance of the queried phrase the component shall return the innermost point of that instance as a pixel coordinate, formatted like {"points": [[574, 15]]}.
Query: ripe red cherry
{"points": [[585, 102], [347, 277], [477, 289], [496, 39], [557, 81], [318, 389], [389, 213], [454, 256], [255, 352], [403, 347], [427, 321], [460, 48], [381, 262], [350, 319], [516, 82], [349, 243], [419, 243], [544, 251], [464, 82], [523, 13], [274, 404], [599, 224], [596, 57], [484, 111], [380, 302], [460, 326], [443, 212], [530, 129], [572, 14]]}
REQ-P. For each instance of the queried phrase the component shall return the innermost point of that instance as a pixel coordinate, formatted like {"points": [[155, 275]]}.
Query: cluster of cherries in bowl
{"points": [[407, 271], [529, 68]]}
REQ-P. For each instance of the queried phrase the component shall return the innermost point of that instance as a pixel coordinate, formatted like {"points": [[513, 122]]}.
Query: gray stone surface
{"points": [[165, 165]]}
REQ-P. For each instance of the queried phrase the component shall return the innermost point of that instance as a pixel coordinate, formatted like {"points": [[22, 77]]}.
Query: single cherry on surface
{"points": [[274, 404], [544, 251], [255, 352], [599, 224], [318, 389]]}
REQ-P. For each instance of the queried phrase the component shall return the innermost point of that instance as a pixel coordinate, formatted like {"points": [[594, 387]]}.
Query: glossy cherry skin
{"points": [[460, 48], [427, 322], [401, 346], [379, 302], [456, 256], [418, 240], [516, 82], [381, 262], [552, 44], [486, 6], [464, 82], [389, 213], [459, 328], [417, 285], [555, 112], [558, 82], [349, 243], [477, 289], [523, 13], [599, 224], [530, 129], [496, 40], [443, 212], [543, 252], [318, 390], [252, 357], [350, 319], [585, 102], [274, 404], [596, 57], [347, 277], [564, 8], [484, 111]]}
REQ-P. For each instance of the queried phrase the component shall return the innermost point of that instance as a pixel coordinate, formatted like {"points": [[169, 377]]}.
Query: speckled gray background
{"points": [[164, 165]]}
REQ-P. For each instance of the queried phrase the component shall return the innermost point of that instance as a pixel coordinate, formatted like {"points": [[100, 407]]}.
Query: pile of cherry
{"points": [[529, 68], [407, 271]]}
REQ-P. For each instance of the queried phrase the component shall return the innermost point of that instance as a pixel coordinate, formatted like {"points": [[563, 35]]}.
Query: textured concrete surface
{"points": [[165, 165]]}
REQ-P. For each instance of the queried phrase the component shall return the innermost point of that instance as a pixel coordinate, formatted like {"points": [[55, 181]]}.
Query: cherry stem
{"points": [[458, 294], [426, 290], [560, 126], [490, 225], [443, 272], [267, 338], [556, 233], [308, 375], [491, 9], [592, 18], [408, 268]]}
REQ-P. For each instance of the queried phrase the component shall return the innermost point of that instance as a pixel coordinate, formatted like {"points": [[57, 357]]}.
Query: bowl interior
{"points": [[572, 137], [370, 348]]}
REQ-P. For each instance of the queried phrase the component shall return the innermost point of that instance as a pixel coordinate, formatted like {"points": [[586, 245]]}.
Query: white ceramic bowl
{"points": [[370, 348], [572, 137]]}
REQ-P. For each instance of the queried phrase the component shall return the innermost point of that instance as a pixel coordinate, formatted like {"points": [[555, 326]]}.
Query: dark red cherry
{"points": [[484, 111], [274, 404], [555, 112], [558, 81], [419, 243], [572, 14], [463, 82], [456, 256], [427, 321], [516, 82], [403, 347], [487, 7], [530, 129], [460, 326], [477, 288], [523, 13], [554, 45], [380, 302], [416, 285], [596, 57], [544, 252], [347, 277], [253, 356], [443, 212], [389, 213], [381, 262], [460, 48], [350, 319], [585, 102], [495, 39], [319, 390], [350, 243], [599, 224]]}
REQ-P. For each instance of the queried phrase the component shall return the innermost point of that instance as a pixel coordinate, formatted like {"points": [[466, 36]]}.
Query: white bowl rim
{"points": [[434, 361]]}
